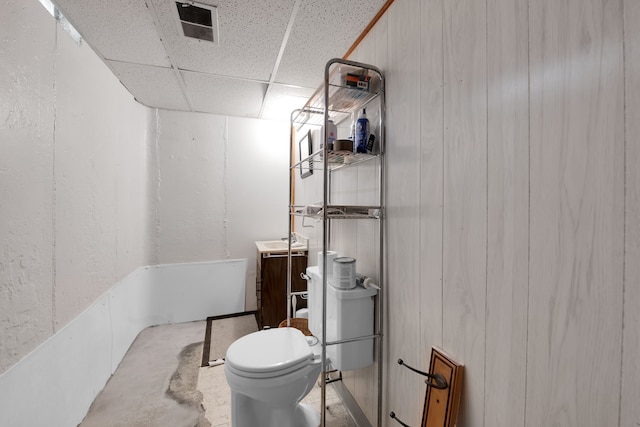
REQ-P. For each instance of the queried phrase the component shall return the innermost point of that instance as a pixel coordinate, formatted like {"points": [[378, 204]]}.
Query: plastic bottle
{"points": [[352, 130], [362, 133], [332, 134]]}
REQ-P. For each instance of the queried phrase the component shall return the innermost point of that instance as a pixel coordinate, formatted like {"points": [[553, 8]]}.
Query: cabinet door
{"points": [[259, 289], [298, 284], [274, 287]]}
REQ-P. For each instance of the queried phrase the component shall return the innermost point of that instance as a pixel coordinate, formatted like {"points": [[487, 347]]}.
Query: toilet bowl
{"points": [[269, 372]]}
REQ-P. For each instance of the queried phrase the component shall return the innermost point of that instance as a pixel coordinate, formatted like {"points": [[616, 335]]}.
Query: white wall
{"points": [[94, 185], [73, 182], [26, 165], [512, 207], [222, 185]]}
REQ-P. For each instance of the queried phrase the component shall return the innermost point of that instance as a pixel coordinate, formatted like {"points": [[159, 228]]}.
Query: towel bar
{"points": [[393, 415], [438, 382]]}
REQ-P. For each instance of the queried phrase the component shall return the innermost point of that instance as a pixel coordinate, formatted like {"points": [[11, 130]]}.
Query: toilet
{"points": [[269, 372]]}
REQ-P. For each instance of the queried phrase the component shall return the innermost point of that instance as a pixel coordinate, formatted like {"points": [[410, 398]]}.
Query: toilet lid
{"points": [[270, 350]]}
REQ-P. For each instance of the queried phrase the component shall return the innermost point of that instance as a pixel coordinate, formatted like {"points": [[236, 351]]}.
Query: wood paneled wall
{"points": [[630, 391], [508, 212], [576, 213], [513, 208]]}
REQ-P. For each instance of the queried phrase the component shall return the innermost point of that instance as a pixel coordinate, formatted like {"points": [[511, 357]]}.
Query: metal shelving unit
{"points": [[337, 100]]}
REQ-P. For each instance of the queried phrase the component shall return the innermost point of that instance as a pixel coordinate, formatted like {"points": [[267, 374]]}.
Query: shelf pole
{"points": [[325, 218], [325, 243], [292, 176], [381, 261]]}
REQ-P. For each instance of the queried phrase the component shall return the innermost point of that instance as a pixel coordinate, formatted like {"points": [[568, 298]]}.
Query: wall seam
{"points": [[53, 189], [624, 208], [225, 138], [157, 198], [420, 198], [486, 195], [526, 351], [444, 175], [421, 205]]}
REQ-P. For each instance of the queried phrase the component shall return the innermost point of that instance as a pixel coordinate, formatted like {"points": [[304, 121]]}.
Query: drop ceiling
{"points": [[268, 60]]}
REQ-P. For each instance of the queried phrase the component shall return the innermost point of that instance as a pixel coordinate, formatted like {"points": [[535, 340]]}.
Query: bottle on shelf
{"points": [[352, 129], [362, 133], [331, 135]]}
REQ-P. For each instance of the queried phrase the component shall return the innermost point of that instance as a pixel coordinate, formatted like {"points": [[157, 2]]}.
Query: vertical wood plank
{"points": [[402, 210], [363, 383], [576, 216], [431, 178], [381, 35], [465, 198], [364, 386], [508, 212], [629, 408]]}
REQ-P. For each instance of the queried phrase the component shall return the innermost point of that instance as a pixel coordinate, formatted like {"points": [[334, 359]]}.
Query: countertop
{"points": [[280, 246]]}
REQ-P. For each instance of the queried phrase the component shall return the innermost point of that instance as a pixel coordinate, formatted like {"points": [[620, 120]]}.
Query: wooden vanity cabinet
{"points": [[271, 286]]}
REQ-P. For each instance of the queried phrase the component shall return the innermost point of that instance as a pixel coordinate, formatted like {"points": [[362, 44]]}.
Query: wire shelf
{"points": [[343, 97], [338, 211], [335, 160]]}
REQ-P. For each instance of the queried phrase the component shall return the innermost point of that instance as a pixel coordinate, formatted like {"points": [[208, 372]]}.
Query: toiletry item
{"points": [[343, 145], [357, 81], [362, 132], [341, 77], [331, 255], [352, 131], [331, 135], [344, 273], [370, 143]]}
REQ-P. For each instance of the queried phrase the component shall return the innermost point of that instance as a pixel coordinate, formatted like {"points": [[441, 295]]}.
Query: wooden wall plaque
{"points": [[441, 405]]}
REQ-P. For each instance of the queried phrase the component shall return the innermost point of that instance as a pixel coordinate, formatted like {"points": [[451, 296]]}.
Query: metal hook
{"points": [[393, 415], [439, 381]]}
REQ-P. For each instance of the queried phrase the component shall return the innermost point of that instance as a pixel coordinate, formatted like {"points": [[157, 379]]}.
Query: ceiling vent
{"points": [[198, 21]]}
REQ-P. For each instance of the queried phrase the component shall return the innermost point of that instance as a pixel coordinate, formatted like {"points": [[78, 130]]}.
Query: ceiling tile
{"points": [[120, 30], [250, 37], [330, 27], [219, 95], [282, 100], [141, 42], [152, 86]]}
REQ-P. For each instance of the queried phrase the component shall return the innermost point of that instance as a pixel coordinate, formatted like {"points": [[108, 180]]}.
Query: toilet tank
{"points": [[350, 314]]}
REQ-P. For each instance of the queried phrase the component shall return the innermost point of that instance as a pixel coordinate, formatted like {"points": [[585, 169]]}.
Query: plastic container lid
{"points": [[353, 293], [271, 350]]}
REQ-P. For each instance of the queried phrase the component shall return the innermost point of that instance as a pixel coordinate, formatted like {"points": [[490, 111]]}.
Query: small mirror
{"points": [[304, 148]]}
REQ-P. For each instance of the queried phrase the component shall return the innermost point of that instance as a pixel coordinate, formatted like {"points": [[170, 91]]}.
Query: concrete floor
{"points": [[159, 383], [136, 395]]}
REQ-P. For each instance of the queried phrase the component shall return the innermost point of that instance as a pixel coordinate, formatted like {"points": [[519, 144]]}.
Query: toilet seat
{"points": [[269, 353]]}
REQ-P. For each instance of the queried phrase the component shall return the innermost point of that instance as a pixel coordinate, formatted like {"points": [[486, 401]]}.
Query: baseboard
{"points": [[66, 372], [351, 405]]}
